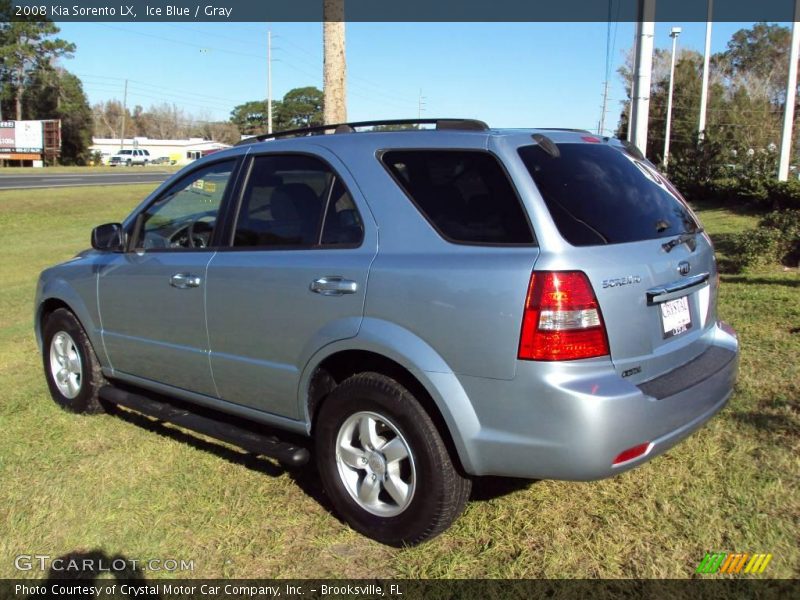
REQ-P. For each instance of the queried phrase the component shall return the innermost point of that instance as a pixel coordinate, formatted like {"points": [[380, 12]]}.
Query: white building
{"points": [[178, 152]]}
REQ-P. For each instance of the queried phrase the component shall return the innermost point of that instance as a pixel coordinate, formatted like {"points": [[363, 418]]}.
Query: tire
{"points": [[128, 163], [415, 497], [67, 348]]}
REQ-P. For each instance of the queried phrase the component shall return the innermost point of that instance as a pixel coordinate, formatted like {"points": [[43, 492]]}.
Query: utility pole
{"points": [[334, 67], [629, 135], [645, 30], [269, 81], [701, 128], [601, 127], [420, 104], [791, 93], [124, 112], [676, 31]]}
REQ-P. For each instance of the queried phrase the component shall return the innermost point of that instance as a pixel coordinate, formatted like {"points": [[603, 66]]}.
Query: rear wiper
{"points": [[688, 238]]}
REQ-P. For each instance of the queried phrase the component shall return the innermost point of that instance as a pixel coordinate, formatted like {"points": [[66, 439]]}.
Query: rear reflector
{"points": [[562, 320], [632, 453]]}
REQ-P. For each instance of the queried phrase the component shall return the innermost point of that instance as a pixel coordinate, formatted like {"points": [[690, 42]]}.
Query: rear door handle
{"points": [[333, 286], [184, 281]]}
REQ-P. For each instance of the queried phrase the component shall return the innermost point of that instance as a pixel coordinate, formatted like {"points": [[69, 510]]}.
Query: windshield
{"points": [[125, 152], [598, 194]]}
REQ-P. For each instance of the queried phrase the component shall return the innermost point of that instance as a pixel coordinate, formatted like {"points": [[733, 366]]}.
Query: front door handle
{"points": [[184, 281], [333, 286]]}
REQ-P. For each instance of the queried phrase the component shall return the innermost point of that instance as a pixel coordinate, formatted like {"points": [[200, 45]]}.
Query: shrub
{"points": [[777, 239]]}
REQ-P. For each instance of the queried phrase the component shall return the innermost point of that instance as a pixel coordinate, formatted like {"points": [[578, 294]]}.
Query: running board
{"points": [[287, 454]]}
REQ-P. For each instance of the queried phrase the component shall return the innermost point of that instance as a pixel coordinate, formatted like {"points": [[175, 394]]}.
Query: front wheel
{"points": [[70, 365], [384, 464]]}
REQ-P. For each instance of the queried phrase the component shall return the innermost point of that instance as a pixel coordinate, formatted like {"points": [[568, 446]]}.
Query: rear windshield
{"points": [[464, 194], [598, 194]]}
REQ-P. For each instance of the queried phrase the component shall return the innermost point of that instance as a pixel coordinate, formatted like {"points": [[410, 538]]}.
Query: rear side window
{"points": [[465, 195], [284, 202], [598, 195]]}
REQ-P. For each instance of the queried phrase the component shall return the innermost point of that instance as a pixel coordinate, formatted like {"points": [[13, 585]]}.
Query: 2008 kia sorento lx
{"points": [[427, 305]]}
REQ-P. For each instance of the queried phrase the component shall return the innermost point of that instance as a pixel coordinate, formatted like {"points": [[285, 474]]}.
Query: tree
{"points": [[300, 107], [251, 117], [227, 133], [761, 52], [58, 94], [107, 117], [334, 64], [746, 96], [24, 47]]}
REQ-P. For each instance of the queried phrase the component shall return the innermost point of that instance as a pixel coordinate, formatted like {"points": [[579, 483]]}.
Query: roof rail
{"points": [[564, 129], [449, 124]]}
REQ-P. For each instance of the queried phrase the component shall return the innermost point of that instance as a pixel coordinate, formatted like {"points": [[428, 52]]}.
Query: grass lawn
{"points": [[81, 484], [82, 170]]}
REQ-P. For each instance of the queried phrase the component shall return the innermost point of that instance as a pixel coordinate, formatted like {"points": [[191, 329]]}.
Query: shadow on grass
{"points": [[89, 567], [782, 426], [306, 477], [760, 280], [737, 208], [489, 488], [724, 246]]}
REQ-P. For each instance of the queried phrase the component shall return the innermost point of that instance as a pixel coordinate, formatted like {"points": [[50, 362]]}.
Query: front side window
{"points": [[464, 194], [186, 215], [284, 202]]}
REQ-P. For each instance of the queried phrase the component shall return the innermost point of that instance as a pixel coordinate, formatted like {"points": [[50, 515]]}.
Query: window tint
{"points": [[466, 195], [283, 204], [185, 216], [598, 194], [343, 225]]}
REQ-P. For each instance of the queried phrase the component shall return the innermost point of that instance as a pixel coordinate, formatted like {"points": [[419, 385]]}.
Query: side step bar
{"points": [[287, 454]]}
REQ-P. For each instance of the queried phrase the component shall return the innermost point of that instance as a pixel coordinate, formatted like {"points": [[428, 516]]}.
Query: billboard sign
{"points": [[21, 136]]}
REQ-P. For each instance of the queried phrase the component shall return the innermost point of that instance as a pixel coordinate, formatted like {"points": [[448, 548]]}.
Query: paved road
{"points": [[125, 176]]}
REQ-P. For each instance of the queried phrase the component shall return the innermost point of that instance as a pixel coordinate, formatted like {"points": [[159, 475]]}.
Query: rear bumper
{"points": [[570, 421]]}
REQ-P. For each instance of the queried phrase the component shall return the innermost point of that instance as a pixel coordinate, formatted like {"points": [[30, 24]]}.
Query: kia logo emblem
{"points": [[684, 267]]}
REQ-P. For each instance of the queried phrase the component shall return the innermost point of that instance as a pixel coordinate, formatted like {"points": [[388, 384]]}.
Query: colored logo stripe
{"points": [[723, 562]]}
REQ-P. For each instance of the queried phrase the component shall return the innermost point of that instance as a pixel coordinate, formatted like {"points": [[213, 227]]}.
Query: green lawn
{"points": [[79, 484], [81, 170]]}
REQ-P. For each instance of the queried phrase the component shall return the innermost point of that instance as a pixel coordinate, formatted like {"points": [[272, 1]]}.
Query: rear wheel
{"points": [[384, 464], [71, 368]]}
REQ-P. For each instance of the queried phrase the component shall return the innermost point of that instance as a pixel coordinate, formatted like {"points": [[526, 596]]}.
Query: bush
{"points": [[711, 171], [777, 239]]}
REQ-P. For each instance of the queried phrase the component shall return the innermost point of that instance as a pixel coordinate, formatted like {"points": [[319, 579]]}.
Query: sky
{"points": [[507, 74]]}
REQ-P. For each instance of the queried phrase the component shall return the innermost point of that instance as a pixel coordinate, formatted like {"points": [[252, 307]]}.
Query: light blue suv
{"points": [[425, 305]]}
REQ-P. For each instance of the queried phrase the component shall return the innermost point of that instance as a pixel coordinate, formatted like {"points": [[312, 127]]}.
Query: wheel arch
{"points": [[56, 294], [426, 376]]}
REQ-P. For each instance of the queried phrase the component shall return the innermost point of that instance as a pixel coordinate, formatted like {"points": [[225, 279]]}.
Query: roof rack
{"points": [[564, 129], [449, 124]]}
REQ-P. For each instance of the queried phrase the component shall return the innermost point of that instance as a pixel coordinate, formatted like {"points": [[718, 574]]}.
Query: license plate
{"points": [[675, 317]]}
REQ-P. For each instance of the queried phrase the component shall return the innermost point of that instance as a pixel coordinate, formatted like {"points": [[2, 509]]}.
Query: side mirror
{"points": [[110, 237]]}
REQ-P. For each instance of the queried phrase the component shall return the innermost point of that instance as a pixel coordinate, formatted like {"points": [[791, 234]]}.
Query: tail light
{"points": [[562, 320]]}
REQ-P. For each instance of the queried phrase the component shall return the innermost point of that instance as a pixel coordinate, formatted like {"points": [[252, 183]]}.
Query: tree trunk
{"points": [[20, 90], [335, 67]]}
